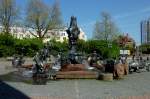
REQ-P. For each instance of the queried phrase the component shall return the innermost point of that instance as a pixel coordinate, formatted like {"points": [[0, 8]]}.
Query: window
{"points": [[16, 35], [21, 36], [0, 29], [28, 36], [64, 38], [64, 34], [57, 38]]}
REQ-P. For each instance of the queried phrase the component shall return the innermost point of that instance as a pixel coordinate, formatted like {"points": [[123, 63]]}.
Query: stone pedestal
{"points": [[73, 67], [106, 76], [75, 71], [76, 75]]}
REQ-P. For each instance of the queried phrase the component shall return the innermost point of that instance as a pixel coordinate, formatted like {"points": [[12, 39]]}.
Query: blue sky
{"points": [[127, 14]]}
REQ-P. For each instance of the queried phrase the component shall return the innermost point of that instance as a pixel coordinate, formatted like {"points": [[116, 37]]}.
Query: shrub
{"points": [[145, 48], [31, 46], [6, 51], [100, 46], [6, 45], [56, 47], [7, 40], [10, 46]]}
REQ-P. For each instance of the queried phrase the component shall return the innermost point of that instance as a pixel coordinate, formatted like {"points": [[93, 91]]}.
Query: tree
{"points": [[41, 18], [105, 29], [8, 14], [56, 15], [145, 48]]}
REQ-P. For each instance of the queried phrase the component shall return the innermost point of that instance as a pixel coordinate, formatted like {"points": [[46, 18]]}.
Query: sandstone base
{"points": [[106, 76], [75, 71], [73, 67], [76, 75]]}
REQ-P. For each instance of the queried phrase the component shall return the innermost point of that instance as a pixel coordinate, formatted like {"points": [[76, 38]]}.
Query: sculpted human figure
{"points": [[73, 33]]}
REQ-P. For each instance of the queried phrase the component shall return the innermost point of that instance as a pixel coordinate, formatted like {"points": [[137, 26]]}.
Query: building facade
{"points": [[57, 34], [145, 31], [20, 32]]}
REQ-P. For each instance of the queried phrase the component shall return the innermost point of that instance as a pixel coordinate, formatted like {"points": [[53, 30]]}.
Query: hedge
{"points": [[102, 47], [145, 48], [10, 46]]}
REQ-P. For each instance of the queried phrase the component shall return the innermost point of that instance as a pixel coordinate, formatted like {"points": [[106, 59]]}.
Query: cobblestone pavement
{"points": [[136, 85]]}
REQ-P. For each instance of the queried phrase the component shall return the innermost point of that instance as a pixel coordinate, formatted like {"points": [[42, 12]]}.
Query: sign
{"points": [[125, 52]]}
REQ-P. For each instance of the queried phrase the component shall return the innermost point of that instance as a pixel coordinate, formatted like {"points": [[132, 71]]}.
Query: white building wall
{"points": [[57, 34], [61, 35]]}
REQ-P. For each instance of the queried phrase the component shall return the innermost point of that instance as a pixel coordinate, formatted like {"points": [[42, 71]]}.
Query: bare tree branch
{"points": [[33, 34], [105, 29], [8, 13], [40, 17]]}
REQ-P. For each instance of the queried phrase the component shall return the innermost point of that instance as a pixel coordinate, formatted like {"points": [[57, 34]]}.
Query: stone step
{"points": [[106, 76]]}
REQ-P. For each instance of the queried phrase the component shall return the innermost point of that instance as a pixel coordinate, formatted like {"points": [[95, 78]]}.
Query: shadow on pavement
{"points": [[15, 77], [9, 92]]}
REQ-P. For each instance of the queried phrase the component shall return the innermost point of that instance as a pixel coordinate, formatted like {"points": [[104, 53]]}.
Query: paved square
{"points": [[135, 85]]}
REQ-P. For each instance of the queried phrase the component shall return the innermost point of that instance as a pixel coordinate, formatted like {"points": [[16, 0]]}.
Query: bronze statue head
{"points": [[73, 22]]}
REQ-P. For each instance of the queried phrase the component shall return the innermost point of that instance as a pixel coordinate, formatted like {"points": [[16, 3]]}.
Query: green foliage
{"points": [[10, 46], [87, 47], [100, 46], [6, 45], [58, 46], [145, 48], [6, 51], [81, 45], [6, 39], [31, 46]]}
